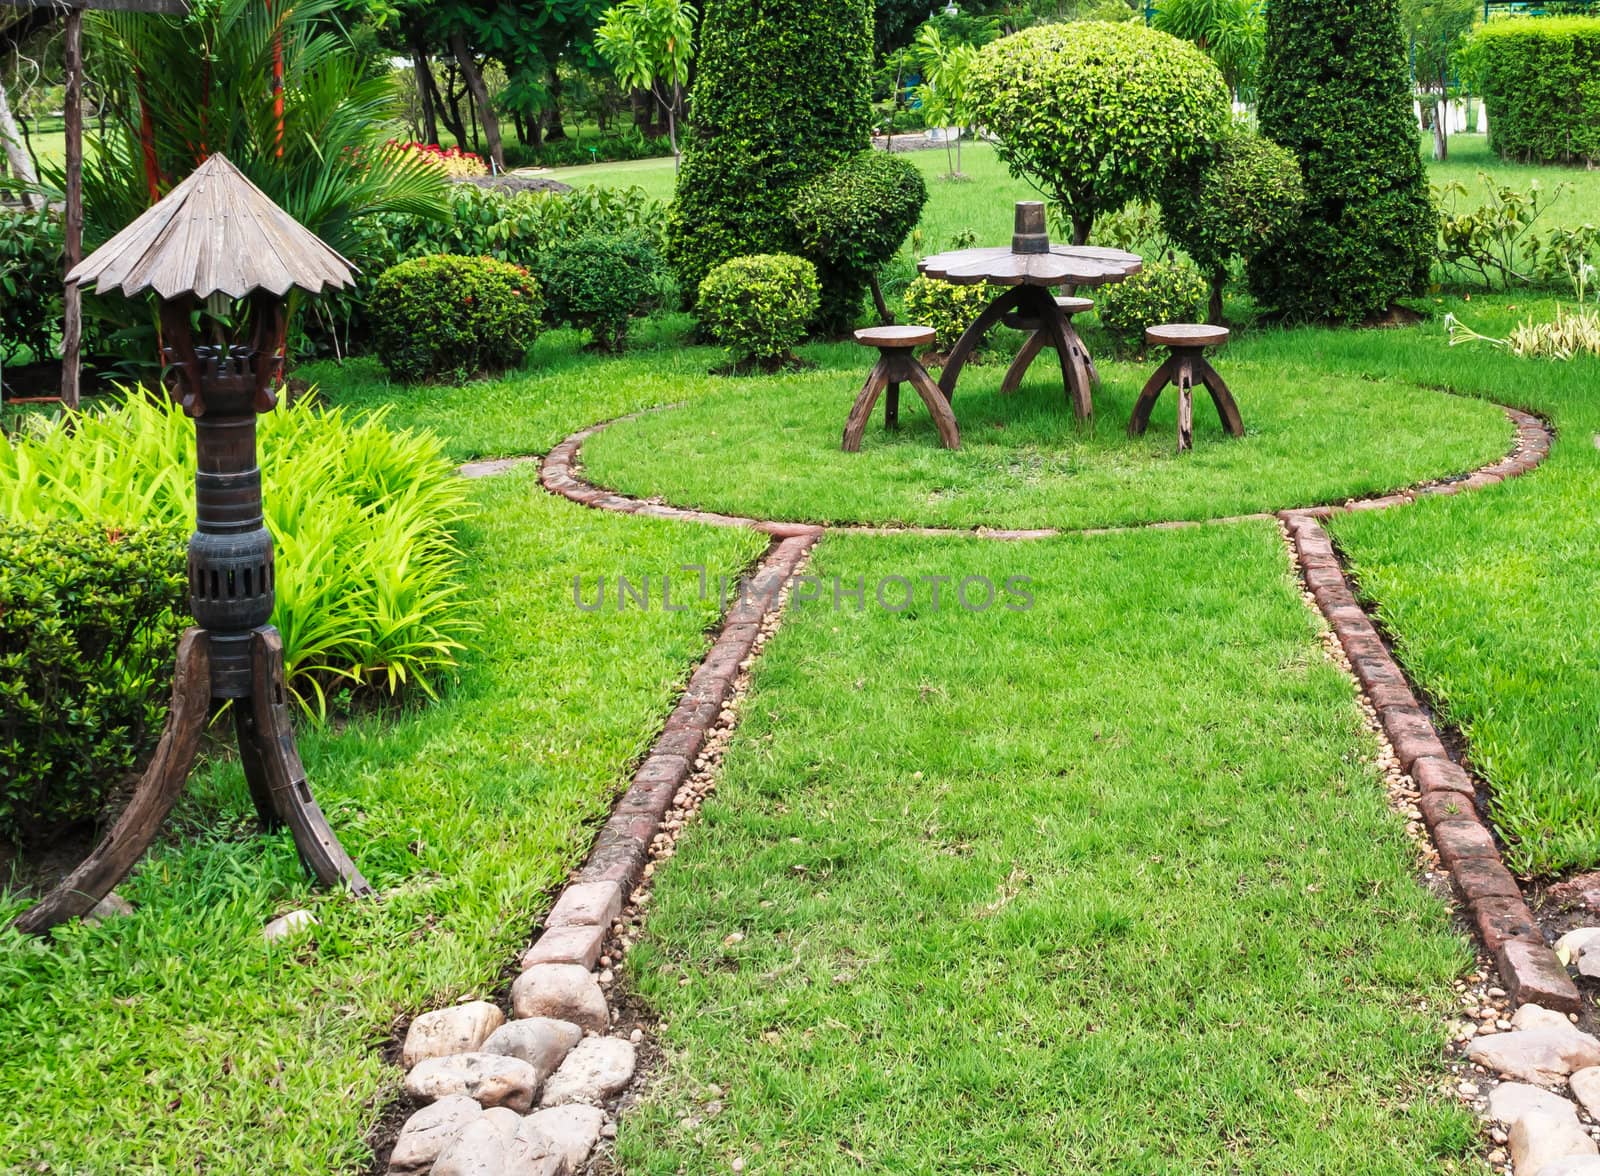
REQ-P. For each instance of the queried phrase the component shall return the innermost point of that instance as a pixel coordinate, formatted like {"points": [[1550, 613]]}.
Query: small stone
{"points": [[501, 1143], [592, 1073], [1542, 1056], [1586, 1089], [428, 1132], [288, 926], [636, 1036], [1571, 945], [1532, 1016], [1497, 1157], [1538, 1139], [461, 1028], [112, 906], [1589, 962], [539, 1041], [493, 1079], [1509, 1101], [573, 1129], [563, 992]]}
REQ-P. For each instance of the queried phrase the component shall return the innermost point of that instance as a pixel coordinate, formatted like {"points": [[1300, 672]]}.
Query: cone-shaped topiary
{"points": [[1336, 90], [782, 93]]}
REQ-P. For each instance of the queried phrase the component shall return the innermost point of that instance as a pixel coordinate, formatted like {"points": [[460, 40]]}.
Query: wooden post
{"points": [[72, 329]]}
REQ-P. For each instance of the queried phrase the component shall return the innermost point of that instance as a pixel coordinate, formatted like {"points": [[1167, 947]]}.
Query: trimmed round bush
{"points": [[1538, 80], [851, 220], [1336, 90], [452, 317], [89, 620], [758, 307], [946, 307], [596, 283], [1096, 113], [1163, 292], [1248, 194]]}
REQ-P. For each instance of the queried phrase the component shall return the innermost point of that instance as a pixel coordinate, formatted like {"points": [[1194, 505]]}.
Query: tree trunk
{"points": [[1218, 281], [643, 103], [1082, 226], [1441, 129], [16, 155], [449, 110], [552, 119], [877, 300], [425, 89], [480, 95]]}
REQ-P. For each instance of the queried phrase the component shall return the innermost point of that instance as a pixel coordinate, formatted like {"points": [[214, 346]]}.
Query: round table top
{"points": [[1186, 335], [901, 336], [1064, 265]]}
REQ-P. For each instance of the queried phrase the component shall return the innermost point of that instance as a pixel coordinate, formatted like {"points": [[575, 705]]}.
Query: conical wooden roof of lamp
{"points": [[215, 233]]}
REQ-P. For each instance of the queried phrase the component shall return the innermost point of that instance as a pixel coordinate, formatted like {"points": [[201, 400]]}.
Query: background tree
{"points": [[1336, 91], [649, 45], [1437, 31], [782, 93], [945, 64], [1095, 114], [1233, 33]]}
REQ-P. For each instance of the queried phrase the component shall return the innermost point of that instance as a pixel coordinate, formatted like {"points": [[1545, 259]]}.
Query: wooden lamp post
{"points": [[216, 240]]}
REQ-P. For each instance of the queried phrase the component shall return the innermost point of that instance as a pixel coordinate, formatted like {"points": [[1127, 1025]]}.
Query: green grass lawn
{"points": [[1105, 886]]}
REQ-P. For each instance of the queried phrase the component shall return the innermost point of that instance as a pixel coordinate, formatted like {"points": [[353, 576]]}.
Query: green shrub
{"points": [[364, 517], [597, 282], [851, 220], [1163, 292], [89, 620], [946, 307], [1336, 91], [782, 93], [758, 307], [30, 284], [454, 317], [1541, 87], [1096, 113], [1248, 194]]}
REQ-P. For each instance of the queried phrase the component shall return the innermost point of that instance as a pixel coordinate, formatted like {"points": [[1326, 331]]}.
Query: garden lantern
{"points": [[213, 244]]}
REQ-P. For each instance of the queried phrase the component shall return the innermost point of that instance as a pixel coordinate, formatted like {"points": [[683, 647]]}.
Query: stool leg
{"points": [[891, 406], [943, 419], [1031, 347], [1074, 380], [1222, 398], [1186, 404], [861, 412], [1164, 375], [1082, 353]]}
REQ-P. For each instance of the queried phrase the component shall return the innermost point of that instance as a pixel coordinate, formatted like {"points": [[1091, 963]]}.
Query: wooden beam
{"points": [[72, 328], [167, 7]]}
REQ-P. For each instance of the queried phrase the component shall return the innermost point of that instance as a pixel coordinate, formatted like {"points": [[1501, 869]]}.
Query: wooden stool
{"points": [[898, 364], [1079, 363], [1185, 367]]}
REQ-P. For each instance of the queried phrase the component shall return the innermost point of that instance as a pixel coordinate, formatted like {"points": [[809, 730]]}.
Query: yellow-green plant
{"points": [[1567, 336], [364, 516]]}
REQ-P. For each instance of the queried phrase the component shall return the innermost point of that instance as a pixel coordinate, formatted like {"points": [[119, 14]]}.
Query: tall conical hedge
{"points": [[1336, 90], [782, 93]]}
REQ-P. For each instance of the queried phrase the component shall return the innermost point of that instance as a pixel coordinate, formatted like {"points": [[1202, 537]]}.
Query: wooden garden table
{"points": [[1030, 271]]}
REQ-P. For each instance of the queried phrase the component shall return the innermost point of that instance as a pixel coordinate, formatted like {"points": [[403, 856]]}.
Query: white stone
{"points": [[1589, 962], [288, 926], [1571, 945], [597, 1069], [493, 1079], [1509, 1101], [562, 992], [460, 1028], [574, 1129], [1542, 1056], [427, 1133], [112, 906], [1532, 1016], [1572, 1166], [501, 1143], [1586, 1089], [1538, 1139], [539, 1041]]}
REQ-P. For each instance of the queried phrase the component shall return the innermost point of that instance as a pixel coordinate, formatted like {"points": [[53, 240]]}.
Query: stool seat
{"points": [[1075, 305], [1186, 335], [895, 337]]}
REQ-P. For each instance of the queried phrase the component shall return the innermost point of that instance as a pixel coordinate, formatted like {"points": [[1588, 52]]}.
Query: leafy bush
{"points": [[1498, 241], [1096, 113], [1336, 91], [597, 282], [31, 247], [1163, 292], [631, 144], [946, 307], [1538, 80], [363, 517], [782, 93], [851, 220], [454, 317], [1248, 194], [758, 307], [89, 619]]}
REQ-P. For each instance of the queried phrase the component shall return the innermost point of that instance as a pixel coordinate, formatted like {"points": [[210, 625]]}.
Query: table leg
{"points": [[1074, 380], [891, 406], [1031, 347], [973, 335]]}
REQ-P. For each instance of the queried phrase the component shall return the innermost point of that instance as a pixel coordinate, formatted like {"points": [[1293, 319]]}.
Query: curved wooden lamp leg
{"points": [[1227, 409], [933, 396], [272, 738], [153, 798], [1031, 347], [855, 425], [255, 770], [973, 335], [1140, 420]]}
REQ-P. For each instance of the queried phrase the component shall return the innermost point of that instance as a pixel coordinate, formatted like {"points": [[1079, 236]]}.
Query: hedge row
{"points": [[1541, 86]]}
